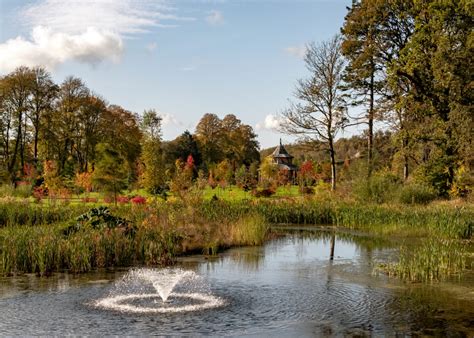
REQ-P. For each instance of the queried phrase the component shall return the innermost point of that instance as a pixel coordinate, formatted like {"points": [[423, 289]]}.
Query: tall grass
{"points": [[15, 212], [44, 249], [32, 236], [433, 260]]}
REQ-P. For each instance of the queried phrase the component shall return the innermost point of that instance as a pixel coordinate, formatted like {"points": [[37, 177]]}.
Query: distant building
{"points": [[284, 161]]}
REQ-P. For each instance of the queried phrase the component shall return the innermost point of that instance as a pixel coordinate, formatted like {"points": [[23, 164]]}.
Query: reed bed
{"points": [[433, 260], [33, 239], [15, 212], [161, 232]]}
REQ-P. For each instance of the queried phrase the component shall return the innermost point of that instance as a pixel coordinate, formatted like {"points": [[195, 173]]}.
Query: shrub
{"points": [[123, 199], [89, 200], [24, 189], [7, 190], [138, 200], [263, 192], [416, 194], [380, 188]]}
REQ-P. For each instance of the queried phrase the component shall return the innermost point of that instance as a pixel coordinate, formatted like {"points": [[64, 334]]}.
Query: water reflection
{"points": [[305, 282]]}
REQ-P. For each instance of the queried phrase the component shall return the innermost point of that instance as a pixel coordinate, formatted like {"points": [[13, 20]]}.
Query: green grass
{"points": [[31, 237], [431, 260]]}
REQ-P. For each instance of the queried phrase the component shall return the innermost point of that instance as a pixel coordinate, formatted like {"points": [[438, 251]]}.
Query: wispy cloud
{"points": [[88, 31], [120, 17], [188, 69], [215, 18], [170, 120], [271, 122], [151, 47], [298, 51]]}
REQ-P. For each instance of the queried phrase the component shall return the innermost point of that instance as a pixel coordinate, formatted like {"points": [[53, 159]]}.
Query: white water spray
{"points": [[164, 300]]}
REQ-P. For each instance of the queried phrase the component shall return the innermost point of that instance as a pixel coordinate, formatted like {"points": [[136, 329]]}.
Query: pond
{"points": [[288, 287]]}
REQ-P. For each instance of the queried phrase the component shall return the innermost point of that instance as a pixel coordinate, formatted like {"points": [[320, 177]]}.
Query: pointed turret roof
{"points": [[280, 152]]}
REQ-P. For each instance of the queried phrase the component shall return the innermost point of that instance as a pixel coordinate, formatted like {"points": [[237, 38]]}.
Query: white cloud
{"points": [[151, 47], [169, 120], [49, 49], [271, 122], [215, 18], [120, 17], [88, 31], [298, 51]]}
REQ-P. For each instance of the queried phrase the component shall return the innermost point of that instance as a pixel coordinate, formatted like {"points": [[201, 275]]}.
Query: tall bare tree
{"points": [[44, 92], [320, 111]]}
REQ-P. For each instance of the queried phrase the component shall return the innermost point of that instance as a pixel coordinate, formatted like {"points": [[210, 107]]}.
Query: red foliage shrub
{"points": [[123, 199], [40, 192], [138, 200]]}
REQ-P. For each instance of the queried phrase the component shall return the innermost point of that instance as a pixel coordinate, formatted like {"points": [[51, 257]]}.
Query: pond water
{"points": [[288, 287]]}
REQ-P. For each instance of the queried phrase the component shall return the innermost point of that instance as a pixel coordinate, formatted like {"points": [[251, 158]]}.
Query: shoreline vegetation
{"points": [[49, 237]]}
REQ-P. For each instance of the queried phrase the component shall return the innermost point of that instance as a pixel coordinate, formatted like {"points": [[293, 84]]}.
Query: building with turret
{"points": [[284, 160]]}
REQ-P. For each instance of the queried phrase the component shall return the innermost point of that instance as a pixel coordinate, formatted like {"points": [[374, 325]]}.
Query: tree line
{"points": [[407, 64], [66, 131]]}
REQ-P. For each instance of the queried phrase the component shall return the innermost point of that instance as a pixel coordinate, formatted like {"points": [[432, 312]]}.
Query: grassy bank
{"points": [[34, 237], [138, 235]]}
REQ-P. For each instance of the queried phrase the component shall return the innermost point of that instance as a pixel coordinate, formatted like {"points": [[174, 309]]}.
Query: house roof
{"points": [[280, 152]]}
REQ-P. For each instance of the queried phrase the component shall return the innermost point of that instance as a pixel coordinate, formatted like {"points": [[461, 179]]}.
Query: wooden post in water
{"points": [[333, 243]]}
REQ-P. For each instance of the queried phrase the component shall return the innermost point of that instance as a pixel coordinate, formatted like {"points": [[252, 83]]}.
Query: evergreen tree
{"points": [[110, 173]]}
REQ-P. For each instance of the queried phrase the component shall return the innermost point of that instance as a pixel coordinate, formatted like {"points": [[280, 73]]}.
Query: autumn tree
{"points": [[320, 111], [180, 148], [15, 93], [43, 95], [209, 135]]}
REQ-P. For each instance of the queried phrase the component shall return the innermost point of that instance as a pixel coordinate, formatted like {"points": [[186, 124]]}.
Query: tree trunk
{"points": [[370, 132], [333, 165], [405, 159], [12, 163]]}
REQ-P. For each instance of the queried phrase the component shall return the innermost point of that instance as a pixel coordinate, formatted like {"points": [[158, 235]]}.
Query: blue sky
{"points": [[182, 58]]}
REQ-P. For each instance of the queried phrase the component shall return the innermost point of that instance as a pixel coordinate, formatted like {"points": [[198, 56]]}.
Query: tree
{"points": [[363, 71], [43, 94], [320, 112], [268, 172], [110, 173], [239, 143], [433, 76], [16, 95], [153, 178], [121, 128], [209, 135], [180, 148]]}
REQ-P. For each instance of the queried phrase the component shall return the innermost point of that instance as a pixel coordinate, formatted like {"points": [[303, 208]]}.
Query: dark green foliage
{"points": [[100, 219], [381, 187], [110, 172], [416, 194]]}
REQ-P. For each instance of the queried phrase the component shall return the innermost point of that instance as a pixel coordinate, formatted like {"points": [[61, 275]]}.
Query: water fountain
{"points": [[132, 293]]}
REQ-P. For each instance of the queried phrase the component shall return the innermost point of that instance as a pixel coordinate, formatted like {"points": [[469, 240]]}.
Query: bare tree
{"points": [[320, 111]]}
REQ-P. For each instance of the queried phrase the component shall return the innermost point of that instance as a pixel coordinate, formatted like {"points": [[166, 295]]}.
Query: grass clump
{"points": [[416, 194], [380, 188], [433, 260]]}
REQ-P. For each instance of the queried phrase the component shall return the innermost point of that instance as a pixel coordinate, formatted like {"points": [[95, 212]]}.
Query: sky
{"points": [[183, 58]]}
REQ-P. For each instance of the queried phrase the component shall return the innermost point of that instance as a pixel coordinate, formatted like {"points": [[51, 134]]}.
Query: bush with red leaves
{"points": [[138, 200]]}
